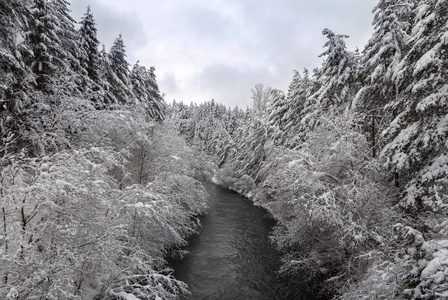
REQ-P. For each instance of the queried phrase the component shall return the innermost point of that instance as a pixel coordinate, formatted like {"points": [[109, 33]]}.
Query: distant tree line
{"points": [[352, 160]]}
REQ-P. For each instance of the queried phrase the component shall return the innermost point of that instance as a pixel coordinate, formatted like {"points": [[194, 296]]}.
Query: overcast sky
{"points": [[204, 49]]}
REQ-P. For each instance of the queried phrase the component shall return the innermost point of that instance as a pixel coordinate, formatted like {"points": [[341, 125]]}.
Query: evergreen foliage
{"points": [[352, 161], [146, 91], [90, 201], [89, 42]]}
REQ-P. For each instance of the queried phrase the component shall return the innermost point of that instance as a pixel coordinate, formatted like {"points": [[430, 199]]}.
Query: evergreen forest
{"points": [[100, 178]]}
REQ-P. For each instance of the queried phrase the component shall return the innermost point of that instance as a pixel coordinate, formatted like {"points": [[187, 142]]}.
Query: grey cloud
{"points": [[289, 26], [168, 85], [204, 22], [233, 86], [111, 23], [264, 39]]}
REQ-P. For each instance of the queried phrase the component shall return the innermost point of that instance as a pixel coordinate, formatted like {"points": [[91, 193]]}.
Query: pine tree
{"points": [[380, 64], [384, 52], [54, 45], [116, 74], [338, 73], [146, 91], [16, 78], [90, 59], [416, 148], [117, 58], [278, 115]]}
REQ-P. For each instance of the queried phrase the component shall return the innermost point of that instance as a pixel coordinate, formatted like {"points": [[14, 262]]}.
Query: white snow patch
{"points": [[433, 267], [425, 61], [293, 163], [126, 296], [442, 127], [13, 294]]}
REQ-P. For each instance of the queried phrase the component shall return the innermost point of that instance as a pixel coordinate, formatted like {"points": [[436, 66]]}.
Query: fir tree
{"points": [[337, 76], [90, 59], [53, 42], [384, 52], [116, 74], [416, 148], [146, 91]]}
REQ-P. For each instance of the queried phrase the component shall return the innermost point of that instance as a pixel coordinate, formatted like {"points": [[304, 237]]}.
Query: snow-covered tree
{"points": [[278, 116], [53, 40], [380, 64], [89, 42], [416, 147], [296, 115], [90, 59], [15, 76], [337, 75], [384, 52], [116, 75], [261, 97], [146, 91]]}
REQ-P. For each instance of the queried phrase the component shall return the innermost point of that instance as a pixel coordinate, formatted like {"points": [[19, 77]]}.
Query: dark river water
{"points": [[232, 257]]}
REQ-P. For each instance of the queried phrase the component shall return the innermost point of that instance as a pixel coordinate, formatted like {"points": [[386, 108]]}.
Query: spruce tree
{"points": [[16, 78], [53, 41], [116, 74], [146, 91], [384, 52], [90, 59], [338, 73], [416, 148]]}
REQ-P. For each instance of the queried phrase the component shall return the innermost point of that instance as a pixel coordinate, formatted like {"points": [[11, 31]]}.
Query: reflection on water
{"points": [[232, 257]]}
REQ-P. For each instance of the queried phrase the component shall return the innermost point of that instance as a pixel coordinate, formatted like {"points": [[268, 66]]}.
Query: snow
{"points": [[425, 61], [438, 99], [420, 28], [422, 11], [126, 296], [294, 163], [377, 73], [438, 169], [442, 127], [433, 267], [13, 294]]}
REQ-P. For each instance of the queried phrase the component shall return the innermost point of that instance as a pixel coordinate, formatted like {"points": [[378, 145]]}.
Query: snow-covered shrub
{"points": [[61, 227], [331, 203], [97, 221], [415, 267], [383, 280], [427, 263]]}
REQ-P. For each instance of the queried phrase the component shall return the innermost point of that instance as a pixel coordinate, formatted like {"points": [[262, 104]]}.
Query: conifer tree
{"points": [[337, 76], [384, 52], [380, 61], [116, 74], [416, 148], [16, 78], [146, 91], [90, 59], [53, 42]]}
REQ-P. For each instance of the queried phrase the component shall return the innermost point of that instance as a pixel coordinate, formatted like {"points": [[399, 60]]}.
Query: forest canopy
{"points": [[352, 160], [98, 184]]}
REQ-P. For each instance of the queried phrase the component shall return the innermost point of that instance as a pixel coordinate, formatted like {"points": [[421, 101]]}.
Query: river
{"points": [[232, 257]]}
